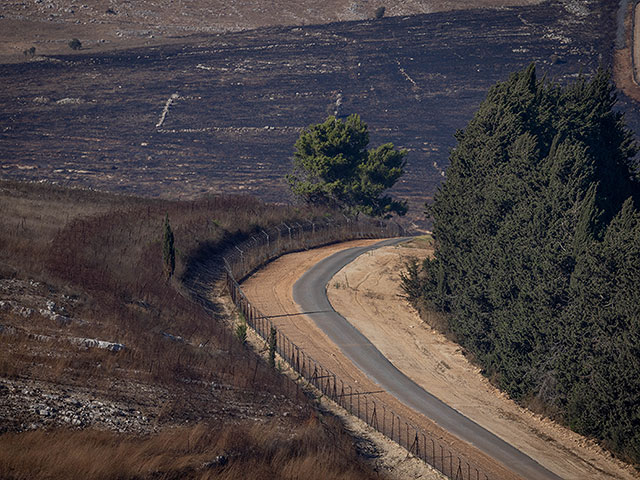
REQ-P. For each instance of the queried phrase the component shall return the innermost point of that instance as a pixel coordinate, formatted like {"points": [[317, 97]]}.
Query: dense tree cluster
{"points": [[537, 261], [332, 167]]}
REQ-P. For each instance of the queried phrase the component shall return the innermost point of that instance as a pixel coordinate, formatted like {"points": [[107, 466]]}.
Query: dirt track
{"points": [[270, 291], [429, 359], [636, 43], [626, 66]]}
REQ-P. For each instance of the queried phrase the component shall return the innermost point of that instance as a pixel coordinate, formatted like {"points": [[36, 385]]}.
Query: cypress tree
{"points": [[273, 344], [537, 252], [168, 249]]}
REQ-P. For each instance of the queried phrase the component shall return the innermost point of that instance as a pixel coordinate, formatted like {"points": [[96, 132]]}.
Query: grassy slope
{"points": [[100, 255]]}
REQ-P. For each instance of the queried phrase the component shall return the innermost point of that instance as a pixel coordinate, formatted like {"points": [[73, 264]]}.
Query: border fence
{"points": [[247, 256]]}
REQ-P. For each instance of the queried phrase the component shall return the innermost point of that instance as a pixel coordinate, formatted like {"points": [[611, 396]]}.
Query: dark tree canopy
{"points": [[537, 261], [333, 167]]}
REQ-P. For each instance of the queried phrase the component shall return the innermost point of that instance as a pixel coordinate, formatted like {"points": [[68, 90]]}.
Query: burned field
{"points": [[221, 113]]}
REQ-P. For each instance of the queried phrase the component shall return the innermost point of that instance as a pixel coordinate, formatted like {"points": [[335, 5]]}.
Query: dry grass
{"points": [[203, 451], [104, 251]]}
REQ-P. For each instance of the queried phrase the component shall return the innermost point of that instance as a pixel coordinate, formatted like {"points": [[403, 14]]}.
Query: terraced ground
{"points": [[221, 113]]}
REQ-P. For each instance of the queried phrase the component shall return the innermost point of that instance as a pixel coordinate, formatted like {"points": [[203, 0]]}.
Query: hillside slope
{"points": [[48, 25]]}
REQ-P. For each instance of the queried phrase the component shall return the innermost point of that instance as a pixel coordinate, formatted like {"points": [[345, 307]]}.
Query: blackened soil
{"points": [[240, 100]]}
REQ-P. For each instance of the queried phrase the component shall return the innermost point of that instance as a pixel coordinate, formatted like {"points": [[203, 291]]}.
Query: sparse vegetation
{"points": [[29, 52], [101, 253], [379, 13], [241, 330], [75, 44]]}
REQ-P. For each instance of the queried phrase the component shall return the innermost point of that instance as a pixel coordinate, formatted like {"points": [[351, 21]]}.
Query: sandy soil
{"points": [[270, 291], [367, 292], [429, 358], [636, 43], [624, 76]]}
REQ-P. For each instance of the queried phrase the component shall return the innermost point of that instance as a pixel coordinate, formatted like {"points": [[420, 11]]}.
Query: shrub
{"points": [[380, 12], [273, 344], [241, 331], [75, 44]]}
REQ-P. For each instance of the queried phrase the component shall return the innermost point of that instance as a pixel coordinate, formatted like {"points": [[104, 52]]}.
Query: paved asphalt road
{"points": [[310, 293]]}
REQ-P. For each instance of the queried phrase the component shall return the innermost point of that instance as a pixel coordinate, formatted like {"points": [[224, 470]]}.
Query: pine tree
{"points": [[333, 167]]}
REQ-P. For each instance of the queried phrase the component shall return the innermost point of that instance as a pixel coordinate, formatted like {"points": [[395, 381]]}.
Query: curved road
{"points": [[310, 293]]}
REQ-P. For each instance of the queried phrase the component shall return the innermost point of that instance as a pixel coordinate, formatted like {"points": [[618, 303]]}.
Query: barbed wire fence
{"points": [[244, 258]]}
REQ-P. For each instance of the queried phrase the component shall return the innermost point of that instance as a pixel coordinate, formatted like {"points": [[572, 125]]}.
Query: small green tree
{"points": [[380, 12], [75, 44], [273, 344], [241, 330], [168, 249], [332, 166]]}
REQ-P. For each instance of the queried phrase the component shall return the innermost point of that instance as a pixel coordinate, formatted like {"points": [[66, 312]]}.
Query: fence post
{"points": [[393, 424], [241, 258], [384, 419], [335, 388], [366, 409], [289, 228], [450, 464], [406, 438], [374, 416], [424, 446]]}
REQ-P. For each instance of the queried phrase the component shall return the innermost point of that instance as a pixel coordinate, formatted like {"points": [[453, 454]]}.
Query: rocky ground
{"points": [[41, 328]]}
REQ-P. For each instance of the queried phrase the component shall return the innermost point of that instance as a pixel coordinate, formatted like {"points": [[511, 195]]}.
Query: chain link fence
{"points": [[245, 257]]}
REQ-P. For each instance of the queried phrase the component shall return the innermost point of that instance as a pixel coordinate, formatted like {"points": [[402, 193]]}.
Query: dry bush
{"points": [[106, 250]]}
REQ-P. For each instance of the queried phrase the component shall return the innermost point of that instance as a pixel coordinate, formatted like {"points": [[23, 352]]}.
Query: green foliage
{"points": [[75, 44], [273, 344], [333, 167], [379, 13], [241, 330], [538, 252], [168, 249]]}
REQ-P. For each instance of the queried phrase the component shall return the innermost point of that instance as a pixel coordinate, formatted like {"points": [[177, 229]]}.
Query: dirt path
{"points": [[626, 66], [636, 43], [270, 291], [367, 293], [428, 358]]}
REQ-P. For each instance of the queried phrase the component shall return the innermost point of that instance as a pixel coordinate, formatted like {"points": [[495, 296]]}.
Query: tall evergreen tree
{"points": [[168, 249], [532, 225], [332, 166]]}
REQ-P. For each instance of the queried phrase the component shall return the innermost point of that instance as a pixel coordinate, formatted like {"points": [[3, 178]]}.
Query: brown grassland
{"points": [[185, 398]]}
